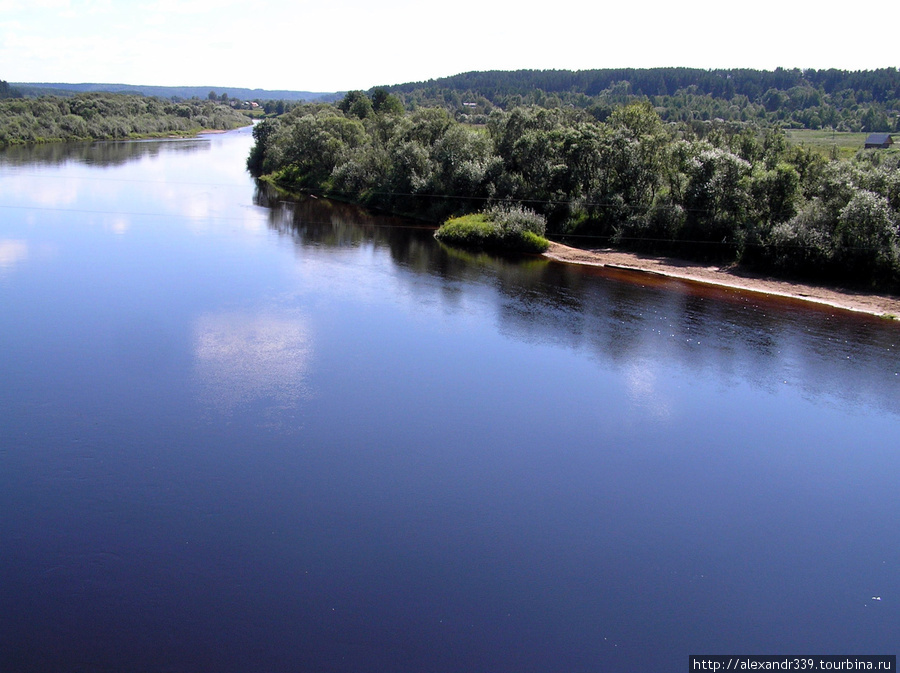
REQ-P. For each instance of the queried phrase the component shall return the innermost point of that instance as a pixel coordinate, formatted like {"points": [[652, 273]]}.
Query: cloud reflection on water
{"points": [[644, 389], [245, 358], [12, 252]]}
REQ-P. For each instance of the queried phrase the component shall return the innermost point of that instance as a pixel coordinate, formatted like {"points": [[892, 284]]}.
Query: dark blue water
{"points": [[242, 434]]}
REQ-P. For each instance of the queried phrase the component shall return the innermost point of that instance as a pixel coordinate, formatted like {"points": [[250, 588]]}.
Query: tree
{"points": [[716, 197], [386, 103], [314, 144], [866, 237], [350, 99], [361, 108], [263, 134], [775, 193]]}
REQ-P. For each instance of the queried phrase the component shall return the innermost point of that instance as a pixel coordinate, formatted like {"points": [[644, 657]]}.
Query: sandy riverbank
{"points": [[728, 277]]}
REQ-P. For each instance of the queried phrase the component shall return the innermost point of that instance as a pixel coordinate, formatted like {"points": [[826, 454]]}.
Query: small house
{"points": [[879, 140]]}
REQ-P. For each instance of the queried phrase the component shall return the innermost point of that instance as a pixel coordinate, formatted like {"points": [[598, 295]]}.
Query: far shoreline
{"points": [[727, 277]]}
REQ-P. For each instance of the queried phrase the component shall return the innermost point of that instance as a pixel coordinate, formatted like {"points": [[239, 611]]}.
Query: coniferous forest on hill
{"points": [[812, 99], [619, 168]]}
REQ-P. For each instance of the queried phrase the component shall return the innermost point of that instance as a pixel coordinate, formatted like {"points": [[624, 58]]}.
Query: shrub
{"points": [[516, 219], [499, 228]]}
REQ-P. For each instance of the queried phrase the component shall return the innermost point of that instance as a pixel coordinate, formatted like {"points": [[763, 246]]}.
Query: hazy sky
{"points": [[337, 45]]}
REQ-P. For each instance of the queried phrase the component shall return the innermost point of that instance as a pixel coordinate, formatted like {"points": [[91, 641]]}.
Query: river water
{"points": [[241, 433]]}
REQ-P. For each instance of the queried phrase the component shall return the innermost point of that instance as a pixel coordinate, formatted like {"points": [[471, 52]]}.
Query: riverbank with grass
{"points": [[105, 116]]}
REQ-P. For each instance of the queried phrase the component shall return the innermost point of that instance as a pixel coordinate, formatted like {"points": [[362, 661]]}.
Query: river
{"points": [[244, 433]]}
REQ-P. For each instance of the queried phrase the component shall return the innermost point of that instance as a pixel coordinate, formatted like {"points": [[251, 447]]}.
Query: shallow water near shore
{"points": [[244, 433]]}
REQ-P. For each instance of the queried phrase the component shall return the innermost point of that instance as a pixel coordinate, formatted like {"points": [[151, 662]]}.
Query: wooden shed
{"points": [[879, 140]]}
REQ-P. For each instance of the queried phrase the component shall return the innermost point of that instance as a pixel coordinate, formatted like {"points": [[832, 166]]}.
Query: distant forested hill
{"points": [[883, 85], [186, 92], [867, 100]]}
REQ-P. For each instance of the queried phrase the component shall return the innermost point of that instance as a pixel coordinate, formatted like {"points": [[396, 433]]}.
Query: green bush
{"points": [[499, 228], [516, 220]]}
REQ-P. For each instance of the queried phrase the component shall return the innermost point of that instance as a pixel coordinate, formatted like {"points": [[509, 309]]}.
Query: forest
{"points": [[814, 99], [103, 116], [716, 190]]}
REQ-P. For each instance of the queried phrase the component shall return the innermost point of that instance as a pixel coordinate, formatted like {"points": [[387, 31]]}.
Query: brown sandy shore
{"points": [[727, 277]]}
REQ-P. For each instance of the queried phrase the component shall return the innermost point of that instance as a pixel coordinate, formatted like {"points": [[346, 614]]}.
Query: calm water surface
{"points": [[241, 434]]}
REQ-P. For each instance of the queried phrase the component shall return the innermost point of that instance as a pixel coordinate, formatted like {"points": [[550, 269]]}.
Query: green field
{"points": [[829, 143]]}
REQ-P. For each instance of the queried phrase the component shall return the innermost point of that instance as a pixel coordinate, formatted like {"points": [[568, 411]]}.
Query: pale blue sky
{"points": [[354, 44]]}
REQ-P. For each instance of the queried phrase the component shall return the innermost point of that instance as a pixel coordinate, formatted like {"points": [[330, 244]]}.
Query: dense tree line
{"points": [[108, 116], [6, 91], [882, 85], [815, 99], [630, 179]]}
